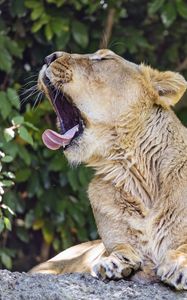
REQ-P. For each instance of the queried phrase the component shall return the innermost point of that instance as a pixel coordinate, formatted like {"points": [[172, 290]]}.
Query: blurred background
{"points": [[43, 202]]}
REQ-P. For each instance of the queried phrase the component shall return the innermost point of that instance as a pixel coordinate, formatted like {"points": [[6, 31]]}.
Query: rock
{"points": [[23, 286]]}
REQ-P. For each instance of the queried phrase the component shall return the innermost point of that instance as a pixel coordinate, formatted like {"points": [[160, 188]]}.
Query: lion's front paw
{"points": [[173, 270], [110, 268], [121, 263]]}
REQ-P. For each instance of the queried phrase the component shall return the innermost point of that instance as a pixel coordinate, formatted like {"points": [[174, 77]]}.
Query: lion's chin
{"points": [[78, 152]]}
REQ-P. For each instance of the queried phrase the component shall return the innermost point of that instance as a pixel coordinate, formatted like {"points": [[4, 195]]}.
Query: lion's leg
{"points": [[173, 269], [122, 261], [78, 258]]}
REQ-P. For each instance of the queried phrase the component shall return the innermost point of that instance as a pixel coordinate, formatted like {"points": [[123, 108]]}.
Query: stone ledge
{"points": [[23, 286]]}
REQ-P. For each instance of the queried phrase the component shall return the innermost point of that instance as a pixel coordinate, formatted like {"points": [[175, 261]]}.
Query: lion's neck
{"points": [[134, 162]]}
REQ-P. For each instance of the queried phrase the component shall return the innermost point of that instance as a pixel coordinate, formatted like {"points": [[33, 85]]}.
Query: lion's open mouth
{"points": [[70, 121]]}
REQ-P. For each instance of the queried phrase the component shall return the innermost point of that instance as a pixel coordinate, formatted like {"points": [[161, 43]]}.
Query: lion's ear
{"points": [[170, 86]]}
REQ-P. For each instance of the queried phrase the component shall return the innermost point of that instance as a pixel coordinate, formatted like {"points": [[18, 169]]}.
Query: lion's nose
{"points": [[50, 58]]}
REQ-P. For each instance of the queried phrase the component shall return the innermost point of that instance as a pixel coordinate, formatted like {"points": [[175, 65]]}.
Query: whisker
{"points": [[40, 98], [27, 83], [34, 87], [30, 95], [56, 95], [31, 76], [37, 100]]}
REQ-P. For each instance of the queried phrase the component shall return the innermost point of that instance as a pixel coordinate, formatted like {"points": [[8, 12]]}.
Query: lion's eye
{"points": [[97, 58]]}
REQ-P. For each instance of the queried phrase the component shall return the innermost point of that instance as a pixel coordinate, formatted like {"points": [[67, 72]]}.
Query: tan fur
{"points": [[138, 149], [75, 259]]}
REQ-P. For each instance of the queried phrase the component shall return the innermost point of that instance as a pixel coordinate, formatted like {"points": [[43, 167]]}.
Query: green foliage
{"points": [[43, 202]]}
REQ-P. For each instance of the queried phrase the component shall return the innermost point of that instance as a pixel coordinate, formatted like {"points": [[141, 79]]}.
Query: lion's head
{"points": [[91, 93]]}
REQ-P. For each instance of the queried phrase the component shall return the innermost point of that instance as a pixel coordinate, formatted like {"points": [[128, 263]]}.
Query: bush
{"points": [[43, 202]]}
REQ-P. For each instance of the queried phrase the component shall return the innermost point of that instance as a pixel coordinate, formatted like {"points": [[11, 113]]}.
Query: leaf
{"points": [[37, 26], [168, 14], [62, 39], [7, 159], [83, 176], [1, 224], [24, 155], [32, 3], [7, 183], [48, 32], [37, 12], [25, 135], [13, 97], [9, 175], [73, 180], [6, 260], [18, 8], [182, 8], [13, 47], [22, 234], [3, 27], [57, 3], [9, 134], [34, 185], [154, 6], [38, 224], [80, 34], [5, 60], [57, 163], [42, 21], [56, 245], [29, 219], [10, 199], [48, 234], [8, 208], [5, 107], [22, 175], [11, 151], [82, 234], [78, 216], [7, 223], [8, 251], [59, 25], [30, 125], [18, 120]]}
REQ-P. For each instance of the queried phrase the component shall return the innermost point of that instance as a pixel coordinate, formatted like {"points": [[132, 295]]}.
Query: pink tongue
{"points": [[54, 140]]}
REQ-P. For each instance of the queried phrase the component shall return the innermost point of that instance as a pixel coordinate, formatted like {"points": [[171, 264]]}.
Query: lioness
{"points": [[115, 116]]}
